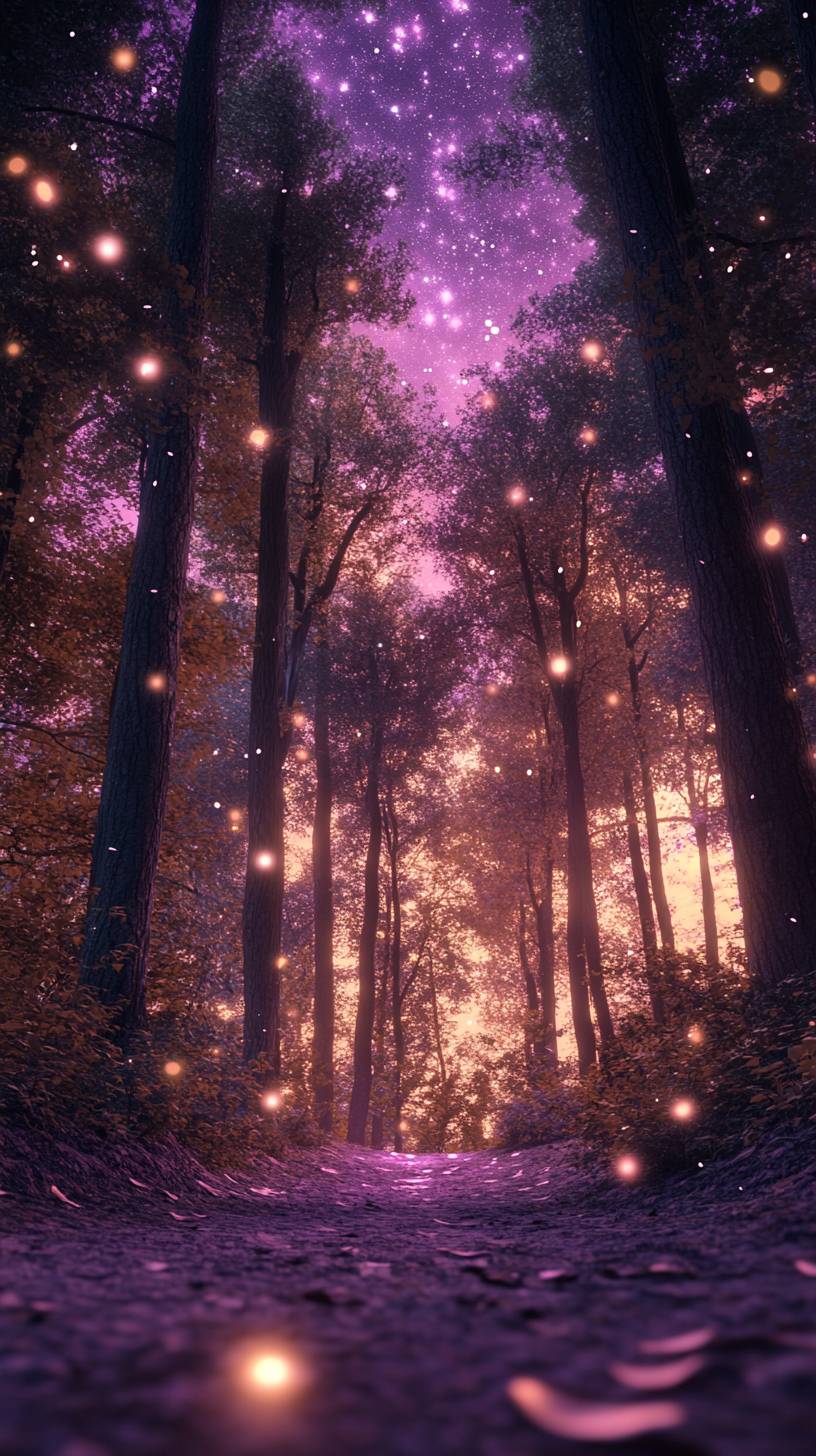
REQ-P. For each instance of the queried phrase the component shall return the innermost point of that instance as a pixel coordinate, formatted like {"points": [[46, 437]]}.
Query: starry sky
{"points": [[425, 80]]}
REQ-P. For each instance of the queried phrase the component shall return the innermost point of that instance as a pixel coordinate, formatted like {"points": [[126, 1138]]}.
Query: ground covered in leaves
{"points": [[355, 1302]]}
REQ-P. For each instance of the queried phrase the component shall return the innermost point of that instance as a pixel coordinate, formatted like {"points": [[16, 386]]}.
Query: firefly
{"points": [[271, 1100], [14, 349], [302, 755], [682, 1109], [695, 1036], [628, 1167], [270, 1372], [156, 682], [108, 248], [299, 719], [123, 58], [613, 700], [218, 596], [592, 351], [772, 537], [172, 1069], [281, 962], [44, 191], [17, 166], [488, 400], [264, 860], [589, 436], [148, 367], [258, 437], [559, 665], [770, 81], [352, 285], [517, 495]]}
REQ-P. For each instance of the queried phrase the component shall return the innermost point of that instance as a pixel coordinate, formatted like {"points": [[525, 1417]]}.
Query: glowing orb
{"points": [[172, 1069], [264, 860], [628, 1167], [352, 285], [695, 1036], [682, 1109], [488, 400], [123, 58], [44, 192], [271, 1100], [302, 755], [156, 682], [218, 596], [589, 436], [517, 495], [613, 700], [148, 367], [108, 248], [559, 665], [770, 81], [281, 962], [592, 350], [14, 348], [772, 537], [17, 166], [270, 1372], [258, 437], [492, 690]]}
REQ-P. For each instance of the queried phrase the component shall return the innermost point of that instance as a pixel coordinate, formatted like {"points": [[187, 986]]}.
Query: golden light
{"points": [[592, 350], [108, 248], [628, 1167], [234, 816], [271, 1100], [281, 962], [44, 191], [218, 596], [517, 495], [148, 367], [810, 679], [682, 1109], [123, 59], [613, 700], [302, 755], [270, 1372], [14, 349], [695, 1035], [559, 665], [488, 399], [772, 537], [258, 437], [156, 682], [745, 477], [299, 719], [770, 81], [172, 1069], [589, 436], [492, 690], [352, 285], [17, 166], [264, 860]]}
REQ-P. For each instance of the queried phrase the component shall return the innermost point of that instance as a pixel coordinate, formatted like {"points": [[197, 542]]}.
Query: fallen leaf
{"points": [[155, 1266], [137, 1184], [583, 1420], [657, 1377], [556, 1275], [62, 1197], [369, 1267], [679, 1344], [805, 1267]]}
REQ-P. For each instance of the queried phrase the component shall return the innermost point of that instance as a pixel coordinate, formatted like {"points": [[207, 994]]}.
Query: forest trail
{"points": [[403, 1292]]}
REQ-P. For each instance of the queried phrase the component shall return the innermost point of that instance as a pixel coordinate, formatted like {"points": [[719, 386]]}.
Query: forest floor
{"points": [[404, 1293]]}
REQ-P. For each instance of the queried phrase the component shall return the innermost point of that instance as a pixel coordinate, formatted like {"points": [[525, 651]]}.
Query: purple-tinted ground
{"points": [[403, 1294]]}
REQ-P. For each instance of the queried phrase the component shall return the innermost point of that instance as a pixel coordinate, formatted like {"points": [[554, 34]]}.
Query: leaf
{"points": [[679, 1344], [62, 1197], [657, 1377], [559, 1276], [583, 1420], [806, 1267]]}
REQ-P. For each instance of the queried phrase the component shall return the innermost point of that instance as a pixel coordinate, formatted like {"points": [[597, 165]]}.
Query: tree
{"points": [[767, 775], [140, 735]]}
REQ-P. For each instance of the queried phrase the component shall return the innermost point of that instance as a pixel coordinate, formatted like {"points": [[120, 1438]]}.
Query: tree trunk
{"points": [[323, 1042], [532, 1020], [396, 966], [699, 820], [137, 765], [804, 32], [661, 899], [545, 998], [364, 1025], [767, 775], [378, 1109], [640, 880], [27, 416], [268, 725]]}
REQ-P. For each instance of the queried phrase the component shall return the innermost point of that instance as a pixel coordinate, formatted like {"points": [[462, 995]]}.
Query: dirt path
{"points": [[402, 1293]]}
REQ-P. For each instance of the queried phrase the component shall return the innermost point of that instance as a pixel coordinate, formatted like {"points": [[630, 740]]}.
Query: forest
{"points": [[408, 692]]}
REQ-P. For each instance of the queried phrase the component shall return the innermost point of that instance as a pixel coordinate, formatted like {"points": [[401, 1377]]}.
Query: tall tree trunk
{"points": [[542, 905], [381, 1015], [323, 1041], [364, 1024], [532, 1020], [767, 774], [396, 965], [268, 716], [137, 766], [804, 32], [699, 820], [640, 880], [27, 414], [661, 899]]}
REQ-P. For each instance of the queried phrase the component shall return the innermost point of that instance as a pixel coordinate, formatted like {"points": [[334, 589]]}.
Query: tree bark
{"points": [[767, 774], [542, 905], [323, 889], [532, 1020], [392, 844], [364, 1024], [378, 1109], [640, 880], [699, 820], [268, 727], [804, 33], [137, 766]]}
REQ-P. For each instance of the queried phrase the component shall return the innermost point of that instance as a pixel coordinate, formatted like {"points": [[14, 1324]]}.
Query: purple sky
{"points": [[426, 80]]}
